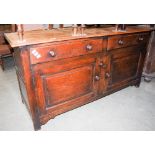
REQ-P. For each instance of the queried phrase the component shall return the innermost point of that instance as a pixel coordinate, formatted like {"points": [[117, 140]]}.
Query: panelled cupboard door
{"points": [[125, 64], [66, 82]]}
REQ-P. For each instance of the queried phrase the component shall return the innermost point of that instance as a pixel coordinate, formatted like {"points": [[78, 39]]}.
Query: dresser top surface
{"points": [[54, 35]]}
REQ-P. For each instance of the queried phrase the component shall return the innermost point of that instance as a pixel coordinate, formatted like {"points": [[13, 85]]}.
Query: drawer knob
{"points": [[101, 64], [107, 75], [97, 78], [120, 42], [141, 38], [89, 47], [52, 53]]}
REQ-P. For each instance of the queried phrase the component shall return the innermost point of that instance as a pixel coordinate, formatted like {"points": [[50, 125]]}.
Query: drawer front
{"points": [[66, 49], [121, 41]]}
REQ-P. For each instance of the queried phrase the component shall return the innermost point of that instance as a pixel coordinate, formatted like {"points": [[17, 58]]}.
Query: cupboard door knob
{"points": [[52, 53], [107, 75], [141, 38], [97, 78], [89, 47], [101, 64], [120, 42]]}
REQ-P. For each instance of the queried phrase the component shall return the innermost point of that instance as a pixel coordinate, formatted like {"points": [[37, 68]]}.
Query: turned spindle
{"points": [[20, 31]]}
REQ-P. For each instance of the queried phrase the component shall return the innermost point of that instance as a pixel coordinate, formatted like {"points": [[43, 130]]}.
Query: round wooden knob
{"points": [[107, 75], [52, 53], [120, 42], [141, 38], [89, 47], [97, 78], [101, 64]]}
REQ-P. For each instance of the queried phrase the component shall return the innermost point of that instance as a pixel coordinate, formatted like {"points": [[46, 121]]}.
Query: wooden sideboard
{"points": [[58, 72]]}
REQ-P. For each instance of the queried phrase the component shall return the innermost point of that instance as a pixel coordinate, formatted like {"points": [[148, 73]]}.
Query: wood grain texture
{"points": [[65, 80], [23, 65], [67, 49], [54, 35], [121, 41]]}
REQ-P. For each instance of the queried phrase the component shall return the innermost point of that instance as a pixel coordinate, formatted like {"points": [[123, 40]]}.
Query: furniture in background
{"points": [[5, 49], [27, 27], [31, 27], [59, 74], [99, 25], [149, 67], [21, 28]]}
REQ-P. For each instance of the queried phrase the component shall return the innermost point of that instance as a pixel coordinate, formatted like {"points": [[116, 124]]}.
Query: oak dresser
{"points": [[58, 72]]}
